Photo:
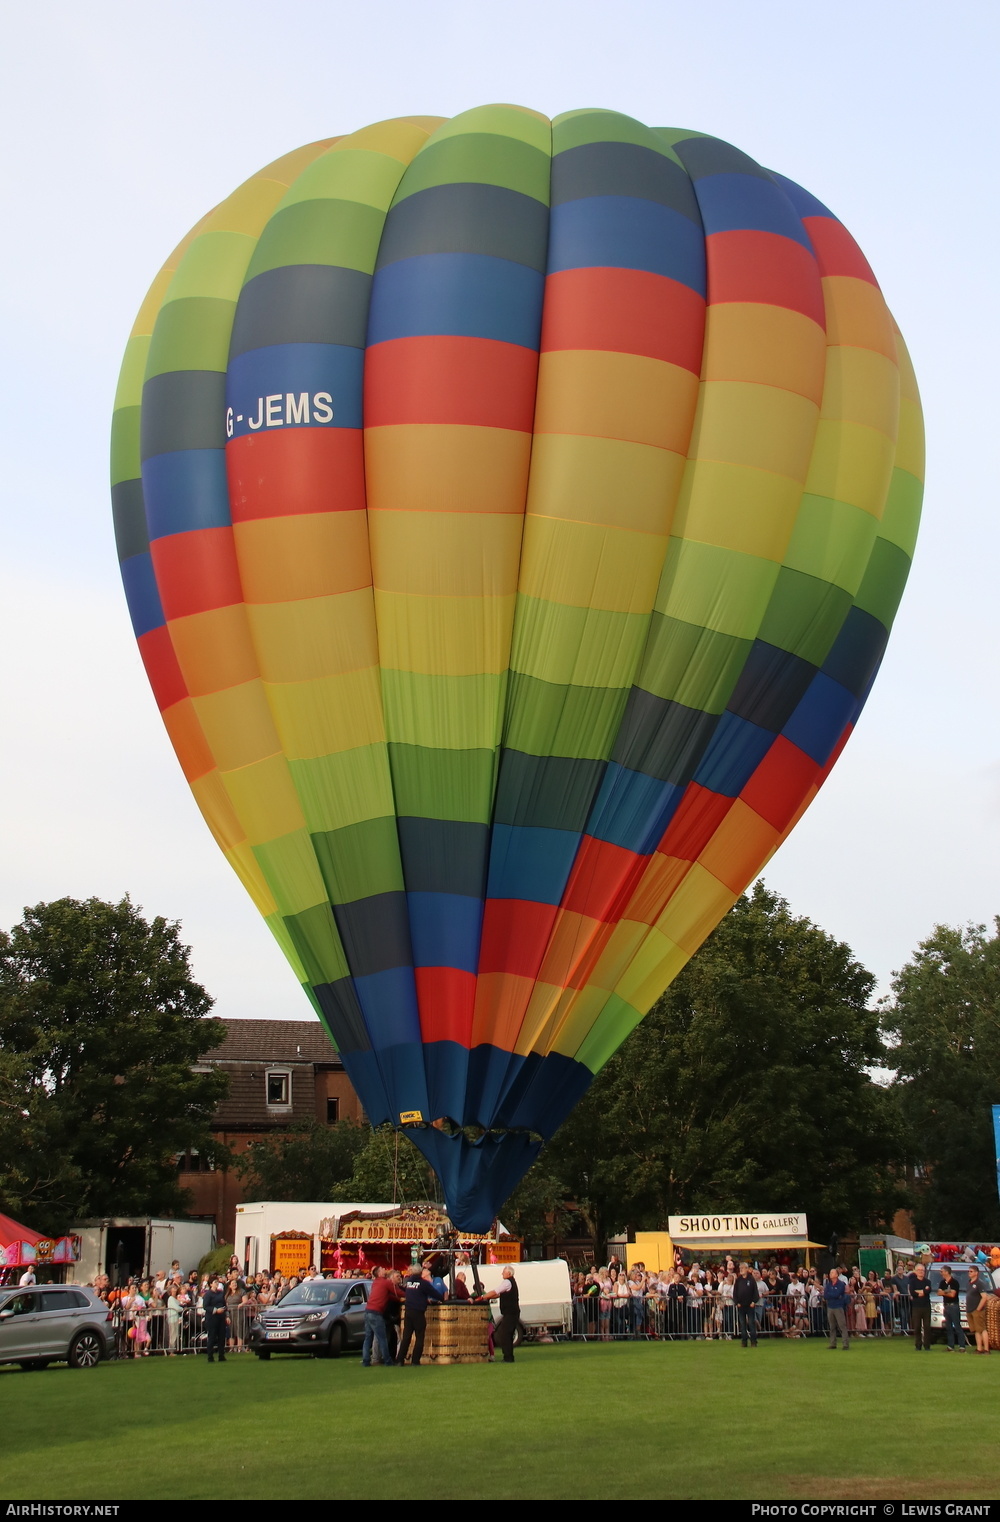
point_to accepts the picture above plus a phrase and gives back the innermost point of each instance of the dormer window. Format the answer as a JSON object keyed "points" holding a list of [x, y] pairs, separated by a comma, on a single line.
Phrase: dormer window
{"points": [[278, 1082]]}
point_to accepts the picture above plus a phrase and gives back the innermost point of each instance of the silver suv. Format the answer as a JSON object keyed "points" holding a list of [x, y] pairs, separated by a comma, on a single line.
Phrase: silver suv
{"points": [[53, 1321]]}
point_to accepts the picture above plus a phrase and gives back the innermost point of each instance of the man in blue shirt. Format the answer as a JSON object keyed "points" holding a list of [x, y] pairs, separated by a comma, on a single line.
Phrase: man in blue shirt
{"points": [[836, 1297]]}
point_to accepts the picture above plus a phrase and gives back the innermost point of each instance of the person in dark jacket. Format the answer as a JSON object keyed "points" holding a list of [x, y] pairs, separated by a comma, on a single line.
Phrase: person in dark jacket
{"points": [[919, 1289], [419, 1291], [745, 1297], [213, 1304], [837, 1297], [952, 1307]]}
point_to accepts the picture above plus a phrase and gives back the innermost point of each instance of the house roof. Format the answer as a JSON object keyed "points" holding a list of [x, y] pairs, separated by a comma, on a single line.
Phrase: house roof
{"points": [[274, 1041]]}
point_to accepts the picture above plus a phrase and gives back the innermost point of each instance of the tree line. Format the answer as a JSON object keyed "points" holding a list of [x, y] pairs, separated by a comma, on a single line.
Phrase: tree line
{"points": [[765, 1076]]}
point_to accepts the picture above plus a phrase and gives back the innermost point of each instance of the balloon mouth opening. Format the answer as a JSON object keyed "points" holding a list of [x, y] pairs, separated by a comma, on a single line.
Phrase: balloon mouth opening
{"points": [[475, 1135]]}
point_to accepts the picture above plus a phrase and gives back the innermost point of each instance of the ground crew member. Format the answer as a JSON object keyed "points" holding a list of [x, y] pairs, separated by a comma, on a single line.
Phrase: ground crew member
{"points": [[510, 1313], [419, 1291], [214, 1306], [919, 1287]]}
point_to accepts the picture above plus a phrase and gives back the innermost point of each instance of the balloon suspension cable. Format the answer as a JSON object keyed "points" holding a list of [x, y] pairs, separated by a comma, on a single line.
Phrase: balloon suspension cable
{"points": [[394, 1160]]}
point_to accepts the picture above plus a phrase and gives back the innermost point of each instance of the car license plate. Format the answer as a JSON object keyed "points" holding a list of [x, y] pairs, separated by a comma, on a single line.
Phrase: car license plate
{"points": [[275, 1336]]}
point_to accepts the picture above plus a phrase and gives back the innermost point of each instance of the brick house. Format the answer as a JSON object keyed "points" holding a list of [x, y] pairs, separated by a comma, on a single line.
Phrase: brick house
{"points": [[281, 1072]]}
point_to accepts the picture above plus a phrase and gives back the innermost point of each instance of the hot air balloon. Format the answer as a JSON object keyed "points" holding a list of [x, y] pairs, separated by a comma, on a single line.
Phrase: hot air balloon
{"points": [[512, 515]]}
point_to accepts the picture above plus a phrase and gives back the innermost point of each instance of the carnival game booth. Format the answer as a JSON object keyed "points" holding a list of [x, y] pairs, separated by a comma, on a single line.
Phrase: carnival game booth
{"points": [[742, 1235], [360, 1239], [22, 1248], [345, 1238]]}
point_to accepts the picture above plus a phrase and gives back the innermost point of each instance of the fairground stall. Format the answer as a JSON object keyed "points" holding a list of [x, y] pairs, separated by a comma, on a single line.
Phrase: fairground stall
{"points": [[751, 1235], [22, 1248], [344, 1238]]}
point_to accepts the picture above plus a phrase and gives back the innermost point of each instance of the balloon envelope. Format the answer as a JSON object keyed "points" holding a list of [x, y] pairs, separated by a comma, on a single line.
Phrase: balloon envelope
{"points": [[512, 515]]}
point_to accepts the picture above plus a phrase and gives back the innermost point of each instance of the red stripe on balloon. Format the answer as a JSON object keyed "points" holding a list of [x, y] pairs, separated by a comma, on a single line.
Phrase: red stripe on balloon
{"points": [[445, 379], [515, 934], [157, 651], [836, 251], [764, 267], [447, 1000], [780, 782], [196, 572], [303, 470], [625, 311], [698, 816], [595, 885]]}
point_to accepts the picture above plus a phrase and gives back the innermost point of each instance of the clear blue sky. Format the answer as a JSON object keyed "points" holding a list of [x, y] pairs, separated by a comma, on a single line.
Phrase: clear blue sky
{"points": [[125, 123]]}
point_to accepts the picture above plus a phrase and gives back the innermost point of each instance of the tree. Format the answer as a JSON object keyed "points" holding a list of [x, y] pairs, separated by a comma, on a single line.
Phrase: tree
{"points": [[746, 1085], [943, 1023], [389, 1167], [304, 1162], [537, 1211], [101, 1025]]}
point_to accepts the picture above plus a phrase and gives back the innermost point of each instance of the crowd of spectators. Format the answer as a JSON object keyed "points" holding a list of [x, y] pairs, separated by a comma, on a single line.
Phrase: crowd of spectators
{"points": [[165, 1314], [696, 1300]]}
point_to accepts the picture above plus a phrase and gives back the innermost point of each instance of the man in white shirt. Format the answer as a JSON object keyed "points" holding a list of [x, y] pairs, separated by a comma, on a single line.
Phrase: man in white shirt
{"points": [[28, 1277]]}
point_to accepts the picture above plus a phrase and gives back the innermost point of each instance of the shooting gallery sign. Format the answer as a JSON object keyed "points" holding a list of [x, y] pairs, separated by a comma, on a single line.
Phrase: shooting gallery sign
{"points": [[739, 1228]]}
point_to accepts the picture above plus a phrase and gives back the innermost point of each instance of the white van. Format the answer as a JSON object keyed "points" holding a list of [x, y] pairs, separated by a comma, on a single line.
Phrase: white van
{"points": [[543, 1290]]}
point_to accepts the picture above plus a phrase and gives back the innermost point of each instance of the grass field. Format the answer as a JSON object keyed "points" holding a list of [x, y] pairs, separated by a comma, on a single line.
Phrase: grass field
{"points": [[656, 1420]]}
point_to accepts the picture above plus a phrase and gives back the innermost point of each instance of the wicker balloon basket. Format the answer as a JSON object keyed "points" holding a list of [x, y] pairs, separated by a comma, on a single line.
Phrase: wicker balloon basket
{"points": [[457, 1333], [993, 1322]]}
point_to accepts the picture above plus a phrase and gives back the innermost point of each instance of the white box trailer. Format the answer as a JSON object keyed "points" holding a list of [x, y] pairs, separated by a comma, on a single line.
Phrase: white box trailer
{"points": [[259, 1220], [543, 1290], [138, 1246]]}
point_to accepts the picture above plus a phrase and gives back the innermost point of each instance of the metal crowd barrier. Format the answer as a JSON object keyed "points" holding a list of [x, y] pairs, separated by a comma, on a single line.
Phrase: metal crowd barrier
{"points": [[155, 1332], [595, 1319], [712, 1316]]}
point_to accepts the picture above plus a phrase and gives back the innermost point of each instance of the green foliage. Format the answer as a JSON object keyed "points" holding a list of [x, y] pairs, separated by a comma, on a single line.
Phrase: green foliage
{"points": [[216, 1261], [100, 1027], [746, 1085], [389, 1167], [537, 1211], [943, 1023], [303, 1162]]}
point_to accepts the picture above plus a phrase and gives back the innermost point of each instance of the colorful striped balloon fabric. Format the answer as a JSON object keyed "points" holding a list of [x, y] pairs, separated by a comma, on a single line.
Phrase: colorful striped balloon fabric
{"points": [[512, 515]]}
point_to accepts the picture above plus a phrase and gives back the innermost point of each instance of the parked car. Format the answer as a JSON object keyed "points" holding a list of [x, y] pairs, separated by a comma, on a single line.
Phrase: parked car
{"points": [[50, 1322], [322, 1317]]}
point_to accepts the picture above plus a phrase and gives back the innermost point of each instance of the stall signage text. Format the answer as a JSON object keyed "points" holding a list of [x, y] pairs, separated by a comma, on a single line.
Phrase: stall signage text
{"points": [[681, 1226]]}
